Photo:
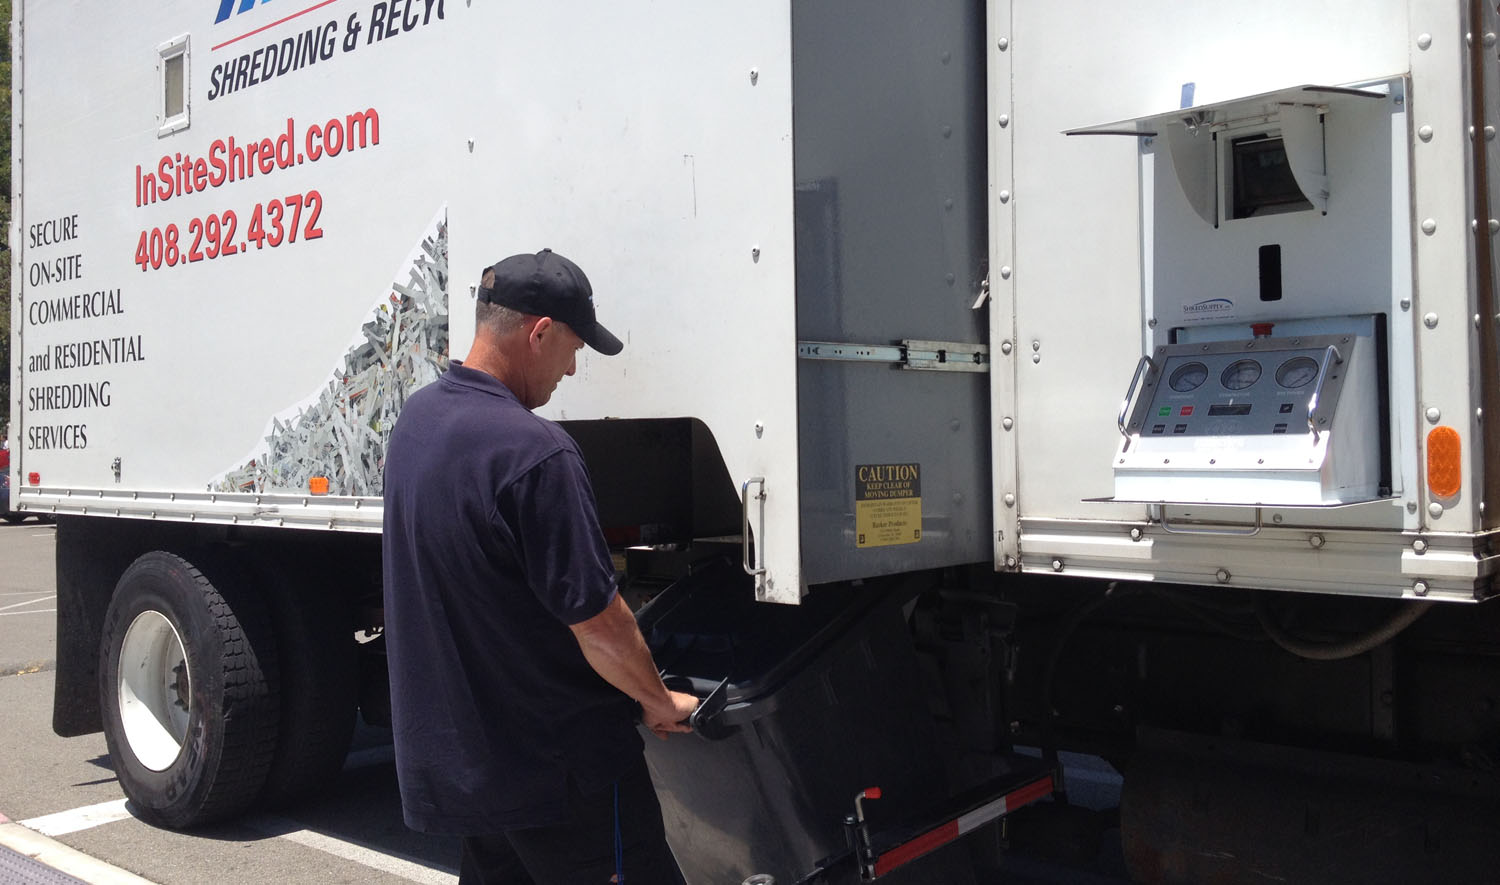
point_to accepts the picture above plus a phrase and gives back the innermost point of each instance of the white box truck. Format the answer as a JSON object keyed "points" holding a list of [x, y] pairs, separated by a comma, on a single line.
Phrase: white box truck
{"points": [[884, 272]]}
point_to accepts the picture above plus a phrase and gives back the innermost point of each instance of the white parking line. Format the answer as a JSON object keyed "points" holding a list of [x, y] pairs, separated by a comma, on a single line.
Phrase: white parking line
{"points": [[73, 820], [394, 864], [412, 870], [28, 602], [90, 816], [40, 611]]}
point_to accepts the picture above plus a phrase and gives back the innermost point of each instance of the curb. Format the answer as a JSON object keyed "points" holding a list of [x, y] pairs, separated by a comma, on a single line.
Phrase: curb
{"points": [[60, 857]]}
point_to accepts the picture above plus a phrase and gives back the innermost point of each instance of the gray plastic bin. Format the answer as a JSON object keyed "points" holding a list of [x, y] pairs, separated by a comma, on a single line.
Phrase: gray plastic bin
{"points": [[823, 701]]}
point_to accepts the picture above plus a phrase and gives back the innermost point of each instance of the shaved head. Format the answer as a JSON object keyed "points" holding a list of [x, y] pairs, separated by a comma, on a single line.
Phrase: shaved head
{"points": [[497, 320]]}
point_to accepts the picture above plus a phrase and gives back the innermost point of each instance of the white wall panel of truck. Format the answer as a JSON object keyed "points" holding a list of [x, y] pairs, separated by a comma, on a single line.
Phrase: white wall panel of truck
{"points": [[432, 161], [883, 272]]}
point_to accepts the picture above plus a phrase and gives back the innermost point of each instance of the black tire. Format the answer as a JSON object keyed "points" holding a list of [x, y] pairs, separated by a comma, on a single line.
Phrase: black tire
{"points": [[319, 668], [222, 653]]}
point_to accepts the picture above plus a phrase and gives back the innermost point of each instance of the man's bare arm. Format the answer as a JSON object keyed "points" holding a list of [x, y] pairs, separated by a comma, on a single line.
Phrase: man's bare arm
{"points": [[614, 647]]}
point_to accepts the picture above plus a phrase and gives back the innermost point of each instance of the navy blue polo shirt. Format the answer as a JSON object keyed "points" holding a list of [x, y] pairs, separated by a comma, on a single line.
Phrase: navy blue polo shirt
{"points": [[492, 548]]}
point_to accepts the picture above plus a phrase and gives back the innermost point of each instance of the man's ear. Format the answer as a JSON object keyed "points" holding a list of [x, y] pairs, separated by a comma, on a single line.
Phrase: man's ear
{"points": [[540, 329]]}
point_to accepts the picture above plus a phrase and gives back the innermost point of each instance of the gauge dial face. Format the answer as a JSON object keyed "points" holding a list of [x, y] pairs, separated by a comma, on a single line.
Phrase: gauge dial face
{"points": [[1188, 377], [1240, 374], [1297, 372]]}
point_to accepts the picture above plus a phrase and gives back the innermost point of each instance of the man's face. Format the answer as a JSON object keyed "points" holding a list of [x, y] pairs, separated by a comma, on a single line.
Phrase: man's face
{"points": [[555, 350]]}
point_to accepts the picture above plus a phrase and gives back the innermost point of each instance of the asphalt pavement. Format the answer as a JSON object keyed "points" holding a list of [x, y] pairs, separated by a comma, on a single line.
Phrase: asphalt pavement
{"points": [[27, 603]]}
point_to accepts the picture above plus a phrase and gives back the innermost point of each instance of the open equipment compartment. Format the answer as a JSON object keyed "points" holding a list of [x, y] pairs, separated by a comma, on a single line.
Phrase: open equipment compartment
{"points": [[1272, 233]]}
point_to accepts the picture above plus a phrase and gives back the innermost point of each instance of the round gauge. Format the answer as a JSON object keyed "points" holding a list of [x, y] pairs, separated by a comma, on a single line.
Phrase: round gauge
{"points": [[1297, 371], [1188, 377], [1240, 374]]}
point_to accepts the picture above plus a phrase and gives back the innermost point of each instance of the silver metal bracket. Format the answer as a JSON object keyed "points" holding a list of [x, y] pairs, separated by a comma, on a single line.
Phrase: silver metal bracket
{"points": [[912, 353]]}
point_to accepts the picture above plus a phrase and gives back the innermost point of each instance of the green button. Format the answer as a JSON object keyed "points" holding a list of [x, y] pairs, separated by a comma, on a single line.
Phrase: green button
{"points": [[1164, 411]]}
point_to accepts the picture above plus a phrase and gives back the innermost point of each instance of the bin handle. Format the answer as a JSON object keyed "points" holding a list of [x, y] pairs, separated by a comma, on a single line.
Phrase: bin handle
{"points": [[704, 719], [757, 568]]}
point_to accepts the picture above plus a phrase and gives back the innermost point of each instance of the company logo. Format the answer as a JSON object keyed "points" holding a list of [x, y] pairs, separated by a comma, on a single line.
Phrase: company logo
{"points": [[228, 8], [1211, 305]]}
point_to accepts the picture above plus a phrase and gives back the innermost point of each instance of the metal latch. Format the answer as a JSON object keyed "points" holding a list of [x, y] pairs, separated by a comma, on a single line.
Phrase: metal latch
{"points": [[911, 353]]}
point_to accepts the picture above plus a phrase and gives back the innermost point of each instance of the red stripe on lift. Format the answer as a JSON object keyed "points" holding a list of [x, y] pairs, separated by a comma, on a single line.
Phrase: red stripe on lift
{"points": [[1029, 794], [937, 838], [928, 841]]}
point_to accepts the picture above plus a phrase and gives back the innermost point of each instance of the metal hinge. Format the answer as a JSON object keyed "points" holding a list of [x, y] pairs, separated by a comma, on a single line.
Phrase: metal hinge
{"points": [[984, 294], [932, 356]]}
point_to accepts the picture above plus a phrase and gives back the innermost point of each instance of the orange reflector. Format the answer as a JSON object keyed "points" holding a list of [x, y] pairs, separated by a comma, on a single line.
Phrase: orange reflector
{"points": [[1444, 475], [34, 478], [318, 485]]}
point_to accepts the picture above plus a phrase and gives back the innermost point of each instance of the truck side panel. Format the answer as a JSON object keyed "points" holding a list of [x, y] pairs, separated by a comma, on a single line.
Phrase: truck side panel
{"points": [[189, 353]]}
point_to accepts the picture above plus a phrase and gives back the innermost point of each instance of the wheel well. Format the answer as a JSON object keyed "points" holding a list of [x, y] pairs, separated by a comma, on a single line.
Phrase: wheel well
{"points": [[93, 552]]}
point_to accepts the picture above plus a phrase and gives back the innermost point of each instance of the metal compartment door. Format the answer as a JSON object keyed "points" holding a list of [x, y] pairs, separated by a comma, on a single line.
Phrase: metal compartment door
{"points": [[891, 258]]}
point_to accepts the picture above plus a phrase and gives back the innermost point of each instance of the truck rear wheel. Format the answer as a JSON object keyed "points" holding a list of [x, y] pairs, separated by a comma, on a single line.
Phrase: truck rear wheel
{"points": [[187, 689], [319, 685]]}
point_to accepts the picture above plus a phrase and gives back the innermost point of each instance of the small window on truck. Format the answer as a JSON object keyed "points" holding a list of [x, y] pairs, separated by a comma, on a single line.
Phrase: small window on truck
{"points": [[172, 68], [1263, 183]]}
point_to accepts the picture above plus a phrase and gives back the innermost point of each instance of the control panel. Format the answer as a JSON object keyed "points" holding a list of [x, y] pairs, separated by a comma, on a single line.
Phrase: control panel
{"points": [[1235, 389], [1276, 421]]}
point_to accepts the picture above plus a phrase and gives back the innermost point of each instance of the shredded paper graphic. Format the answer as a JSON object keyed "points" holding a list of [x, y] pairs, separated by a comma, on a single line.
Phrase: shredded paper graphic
{"points": [[340, 433]]}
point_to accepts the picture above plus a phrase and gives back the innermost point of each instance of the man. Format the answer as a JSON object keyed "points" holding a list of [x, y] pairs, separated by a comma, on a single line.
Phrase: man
{"points": [[513, 660]]}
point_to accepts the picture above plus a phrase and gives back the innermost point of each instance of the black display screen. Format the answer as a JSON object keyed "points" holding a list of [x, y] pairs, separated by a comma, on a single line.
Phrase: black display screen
{"points": [[1219, 409], [1263, 181]]}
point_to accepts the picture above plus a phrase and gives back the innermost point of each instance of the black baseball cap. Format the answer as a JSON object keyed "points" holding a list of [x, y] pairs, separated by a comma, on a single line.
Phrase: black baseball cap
{"points": [[549, 285]]}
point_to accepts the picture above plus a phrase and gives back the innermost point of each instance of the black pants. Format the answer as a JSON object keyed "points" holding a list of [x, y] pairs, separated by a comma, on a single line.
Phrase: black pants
{"points": [[581, 851]]}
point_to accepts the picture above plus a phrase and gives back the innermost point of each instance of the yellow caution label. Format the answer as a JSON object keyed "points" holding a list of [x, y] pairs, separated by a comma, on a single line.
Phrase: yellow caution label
{"points": [[887, 504]]}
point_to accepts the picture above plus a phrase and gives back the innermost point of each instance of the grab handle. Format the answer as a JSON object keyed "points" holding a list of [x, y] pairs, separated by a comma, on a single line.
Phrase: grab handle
{"points": [[1140, 369], [1225, 532], [757, 568], [1331, 357]]}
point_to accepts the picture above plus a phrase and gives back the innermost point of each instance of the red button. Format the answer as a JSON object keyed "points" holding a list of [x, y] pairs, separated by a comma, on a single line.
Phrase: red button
{"points": [[1186, 411]]}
